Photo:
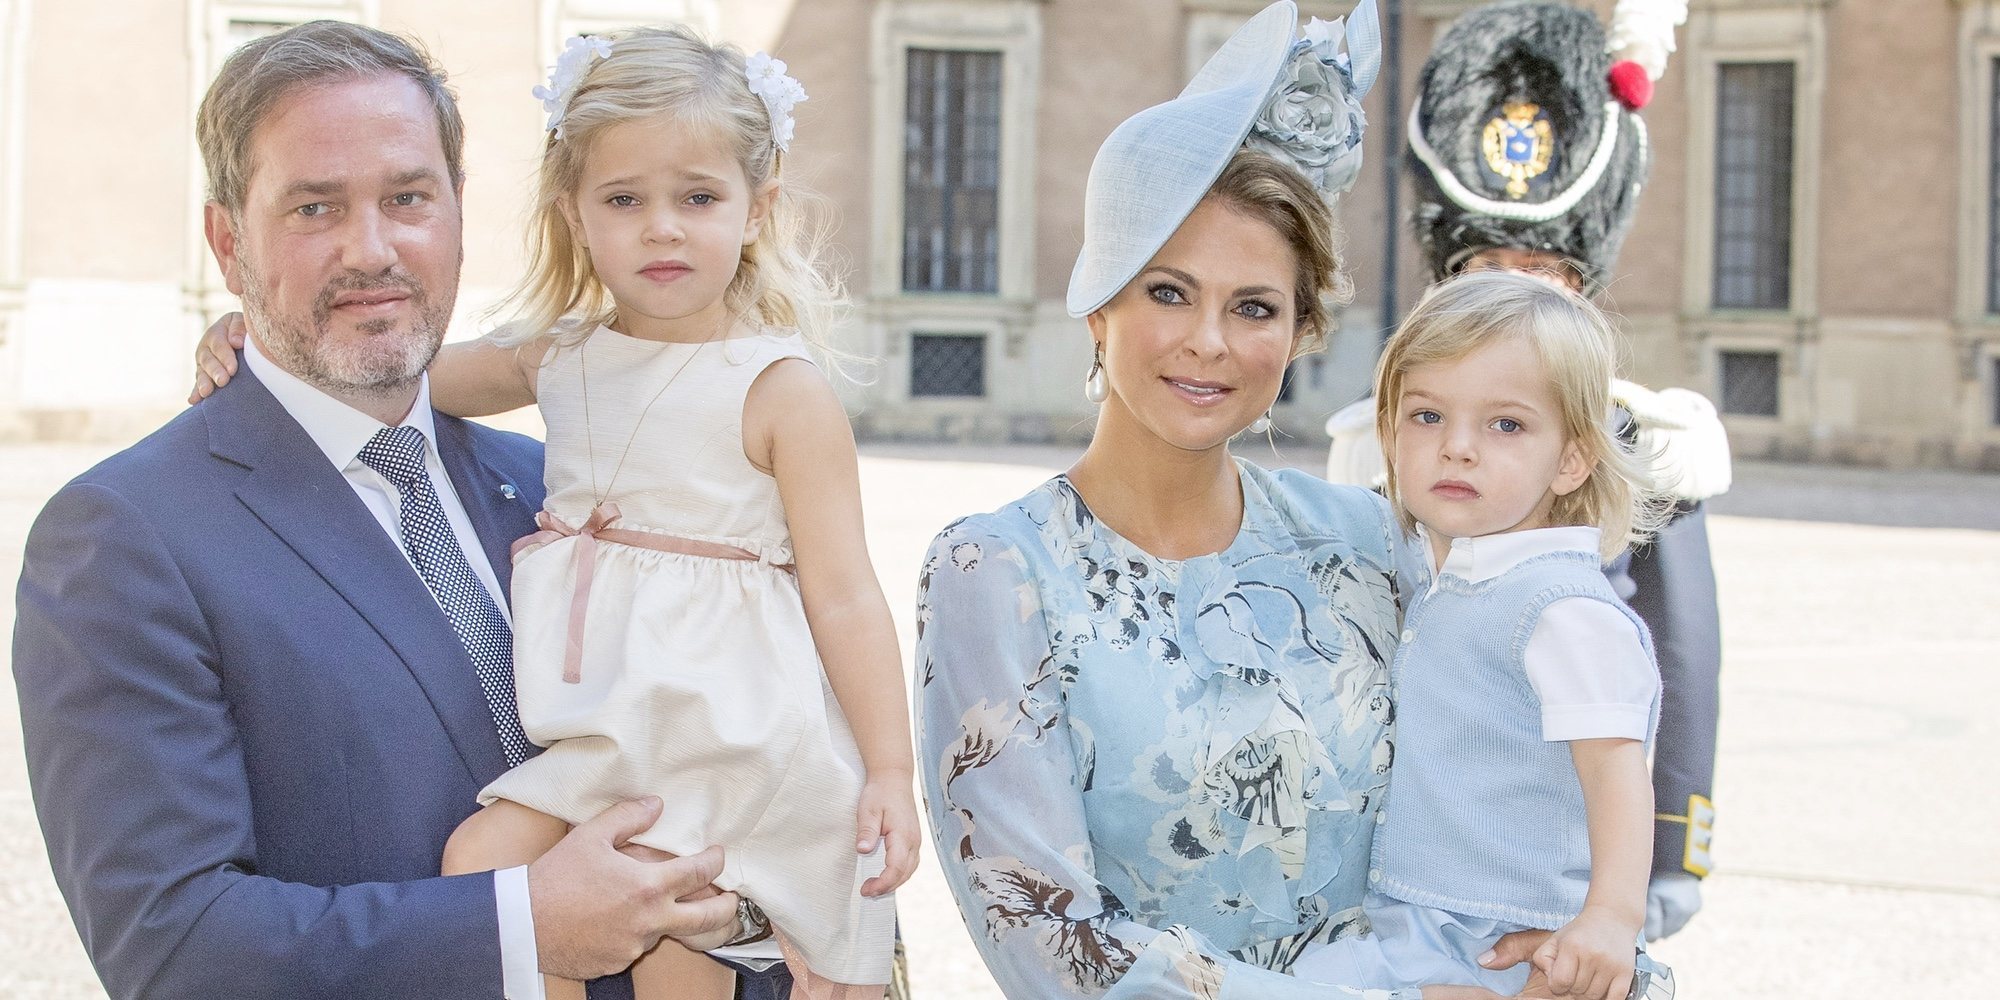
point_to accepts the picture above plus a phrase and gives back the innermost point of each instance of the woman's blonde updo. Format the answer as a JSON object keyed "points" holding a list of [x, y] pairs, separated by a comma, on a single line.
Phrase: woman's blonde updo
{"points": [[1277, 194]]}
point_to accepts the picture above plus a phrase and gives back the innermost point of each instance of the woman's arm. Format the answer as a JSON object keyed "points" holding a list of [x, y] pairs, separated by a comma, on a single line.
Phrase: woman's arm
{"points": [[795, 429], [1004, 792]]}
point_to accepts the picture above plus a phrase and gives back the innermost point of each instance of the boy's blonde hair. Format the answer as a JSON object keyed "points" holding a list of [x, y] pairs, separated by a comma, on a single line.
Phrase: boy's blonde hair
{"points": [[1576, 345], [671, 72]]}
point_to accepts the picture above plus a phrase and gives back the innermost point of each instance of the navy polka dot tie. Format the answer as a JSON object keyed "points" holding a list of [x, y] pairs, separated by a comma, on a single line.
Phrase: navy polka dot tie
{"points": [[397, 453]]}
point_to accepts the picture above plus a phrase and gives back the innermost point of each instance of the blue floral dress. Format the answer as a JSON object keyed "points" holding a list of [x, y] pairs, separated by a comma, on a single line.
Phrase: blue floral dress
{"points": [[1157, 778]]}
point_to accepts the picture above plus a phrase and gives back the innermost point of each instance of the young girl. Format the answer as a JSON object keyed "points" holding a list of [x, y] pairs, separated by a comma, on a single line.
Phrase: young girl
{"points": [[1526, 692], [699, 619]]}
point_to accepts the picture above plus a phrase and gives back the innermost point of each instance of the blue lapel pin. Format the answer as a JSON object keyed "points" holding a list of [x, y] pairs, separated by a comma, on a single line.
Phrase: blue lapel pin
{"points": [[508, 491]]}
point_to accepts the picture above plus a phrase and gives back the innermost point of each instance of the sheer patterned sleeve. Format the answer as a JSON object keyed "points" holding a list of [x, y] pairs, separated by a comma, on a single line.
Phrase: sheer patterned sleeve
{"points": [[1003, 784]]}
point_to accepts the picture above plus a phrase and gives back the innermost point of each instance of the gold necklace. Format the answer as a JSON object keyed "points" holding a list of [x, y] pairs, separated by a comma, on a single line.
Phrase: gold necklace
{"points": [[589, 441]]}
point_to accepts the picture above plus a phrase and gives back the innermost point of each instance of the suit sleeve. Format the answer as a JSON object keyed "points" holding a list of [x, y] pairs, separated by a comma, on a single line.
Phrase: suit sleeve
{"points": [[138, 778], [1674, 593]]}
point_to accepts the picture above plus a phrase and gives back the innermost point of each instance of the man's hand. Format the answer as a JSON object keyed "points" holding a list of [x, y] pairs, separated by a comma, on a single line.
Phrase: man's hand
{"points": [[1590, 957], [708, 941], [215, 355], [597, 910]]}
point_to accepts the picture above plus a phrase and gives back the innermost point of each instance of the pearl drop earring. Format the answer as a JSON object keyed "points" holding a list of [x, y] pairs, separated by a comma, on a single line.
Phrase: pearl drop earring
{"points": [[1261, 424], [1095, 388]]}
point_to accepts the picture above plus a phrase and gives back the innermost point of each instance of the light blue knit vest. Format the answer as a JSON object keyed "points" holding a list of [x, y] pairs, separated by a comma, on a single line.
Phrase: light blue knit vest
{"points": [[1482, 817]]}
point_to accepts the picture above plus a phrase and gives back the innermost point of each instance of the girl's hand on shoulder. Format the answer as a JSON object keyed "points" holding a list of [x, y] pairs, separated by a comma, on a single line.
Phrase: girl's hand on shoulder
{"points": [[888, 816], [215, 355], [1590, 957]]}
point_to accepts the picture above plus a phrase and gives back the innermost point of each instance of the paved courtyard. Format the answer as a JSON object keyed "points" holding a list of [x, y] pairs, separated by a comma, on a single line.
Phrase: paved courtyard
{"points": [[1858, 856]]}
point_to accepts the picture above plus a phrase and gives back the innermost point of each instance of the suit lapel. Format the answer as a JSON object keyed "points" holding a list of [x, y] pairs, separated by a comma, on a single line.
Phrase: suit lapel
{"points": [[308, 504], [497, 505]]}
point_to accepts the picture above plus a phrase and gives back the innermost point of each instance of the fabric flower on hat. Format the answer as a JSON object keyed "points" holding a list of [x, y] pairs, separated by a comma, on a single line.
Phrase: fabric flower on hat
{"points": [[780, 93], [568, 75], [1314, 117]]}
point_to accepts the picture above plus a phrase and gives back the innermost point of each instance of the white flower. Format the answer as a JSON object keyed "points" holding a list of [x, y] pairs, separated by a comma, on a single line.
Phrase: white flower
{"points": [[567, 75], [763, 69], [779, 92]]}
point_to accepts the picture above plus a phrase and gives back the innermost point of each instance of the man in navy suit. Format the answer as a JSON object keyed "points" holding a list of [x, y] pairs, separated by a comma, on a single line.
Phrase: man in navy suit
{"points": [[263, 668]]}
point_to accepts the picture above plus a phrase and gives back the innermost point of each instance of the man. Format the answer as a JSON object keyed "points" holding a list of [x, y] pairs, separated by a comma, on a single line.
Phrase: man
{"points": [[263, 655], [1527, 153]]}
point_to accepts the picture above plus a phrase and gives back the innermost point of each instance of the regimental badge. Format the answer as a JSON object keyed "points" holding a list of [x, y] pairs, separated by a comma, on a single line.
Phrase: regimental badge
{"points": [[1519, 144]]}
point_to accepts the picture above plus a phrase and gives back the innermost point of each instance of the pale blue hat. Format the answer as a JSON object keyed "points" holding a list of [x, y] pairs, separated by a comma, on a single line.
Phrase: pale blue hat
{"points": [[1296, 97]]}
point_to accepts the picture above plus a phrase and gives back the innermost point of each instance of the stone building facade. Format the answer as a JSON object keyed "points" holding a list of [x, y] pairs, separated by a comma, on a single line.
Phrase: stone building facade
{"points": [[1817, 248]]}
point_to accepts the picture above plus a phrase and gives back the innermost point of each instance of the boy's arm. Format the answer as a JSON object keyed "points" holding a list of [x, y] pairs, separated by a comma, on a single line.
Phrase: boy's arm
{"points": [[1592, 956], [1618, 795], [1597, 686]]}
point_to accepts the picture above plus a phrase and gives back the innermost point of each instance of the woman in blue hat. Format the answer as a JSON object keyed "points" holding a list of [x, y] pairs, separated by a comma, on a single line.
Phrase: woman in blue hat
{"points": [[1154, 700]]}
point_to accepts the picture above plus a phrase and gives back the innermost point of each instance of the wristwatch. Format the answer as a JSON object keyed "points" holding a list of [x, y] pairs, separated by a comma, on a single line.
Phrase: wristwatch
{"points": [[1651, 980], [752, 926]]}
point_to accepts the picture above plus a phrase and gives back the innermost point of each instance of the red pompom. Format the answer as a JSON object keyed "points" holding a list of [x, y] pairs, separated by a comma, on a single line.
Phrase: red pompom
{"points": [[1631, 85]]}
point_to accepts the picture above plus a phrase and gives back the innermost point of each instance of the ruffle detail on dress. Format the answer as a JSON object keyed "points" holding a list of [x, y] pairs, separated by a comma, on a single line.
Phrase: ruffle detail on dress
{"points": [[1247, 626], [1265, 768]]}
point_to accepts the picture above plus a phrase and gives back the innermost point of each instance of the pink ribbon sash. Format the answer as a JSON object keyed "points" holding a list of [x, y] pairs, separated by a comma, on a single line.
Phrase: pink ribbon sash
{"points": [[593, 530]]}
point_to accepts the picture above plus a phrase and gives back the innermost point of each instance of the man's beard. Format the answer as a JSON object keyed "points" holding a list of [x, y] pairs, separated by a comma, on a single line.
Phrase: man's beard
{"points": [[300, 345]]}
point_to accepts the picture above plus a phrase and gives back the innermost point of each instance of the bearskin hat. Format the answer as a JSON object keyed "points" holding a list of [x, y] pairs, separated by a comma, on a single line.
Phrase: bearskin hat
{"points": [[1518, 141]]}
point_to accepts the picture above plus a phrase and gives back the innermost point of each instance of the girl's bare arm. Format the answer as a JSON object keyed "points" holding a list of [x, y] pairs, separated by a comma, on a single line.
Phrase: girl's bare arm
{"points": [[795, 429], [470, 379]]}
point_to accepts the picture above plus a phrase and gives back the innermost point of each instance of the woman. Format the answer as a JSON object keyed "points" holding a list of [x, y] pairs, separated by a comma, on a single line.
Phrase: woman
{"points": [[1154, 704]]}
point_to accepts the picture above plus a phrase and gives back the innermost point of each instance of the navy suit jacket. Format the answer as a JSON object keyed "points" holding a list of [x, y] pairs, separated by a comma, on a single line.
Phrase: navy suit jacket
{"points": [[249, 727]]}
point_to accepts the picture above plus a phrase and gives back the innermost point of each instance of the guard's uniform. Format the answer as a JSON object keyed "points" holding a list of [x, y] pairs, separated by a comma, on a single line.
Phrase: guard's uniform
{"points": [[1526, 136]]}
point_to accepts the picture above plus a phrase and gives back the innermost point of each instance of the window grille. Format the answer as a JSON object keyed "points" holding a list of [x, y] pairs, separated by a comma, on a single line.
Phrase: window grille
{"points": [[1996, 391], [951, 172], [1753, 186], [947, 365], [1993, 196], [1750, 383]]}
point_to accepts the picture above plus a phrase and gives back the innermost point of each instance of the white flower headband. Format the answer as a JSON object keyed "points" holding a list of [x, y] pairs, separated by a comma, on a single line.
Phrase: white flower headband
{"points": [[765, 75], [780, 93], [570, 66]]}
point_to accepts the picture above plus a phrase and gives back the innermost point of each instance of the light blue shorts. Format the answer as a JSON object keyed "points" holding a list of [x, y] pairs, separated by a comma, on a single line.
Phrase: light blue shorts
{"points": [[1410, 946]]}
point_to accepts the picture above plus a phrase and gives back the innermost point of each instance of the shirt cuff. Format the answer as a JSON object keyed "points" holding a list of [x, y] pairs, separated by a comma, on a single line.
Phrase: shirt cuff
{"points": [[520, 964], [1562, 723]]}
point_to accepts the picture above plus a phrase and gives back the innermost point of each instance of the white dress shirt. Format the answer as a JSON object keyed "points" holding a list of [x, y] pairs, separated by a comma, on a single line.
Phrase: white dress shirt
{"points": [[1585, 660], [341, 431]]}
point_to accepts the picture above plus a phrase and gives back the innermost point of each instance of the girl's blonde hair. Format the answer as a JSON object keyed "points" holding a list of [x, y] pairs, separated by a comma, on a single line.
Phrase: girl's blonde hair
{"points": [[671, 72], [1575, 343]]}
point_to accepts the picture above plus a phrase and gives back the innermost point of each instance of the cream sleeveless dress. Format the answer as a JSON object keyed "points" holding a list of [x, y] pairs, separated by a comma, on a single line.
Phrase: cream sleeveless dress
{"points": [[695, 676]]}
